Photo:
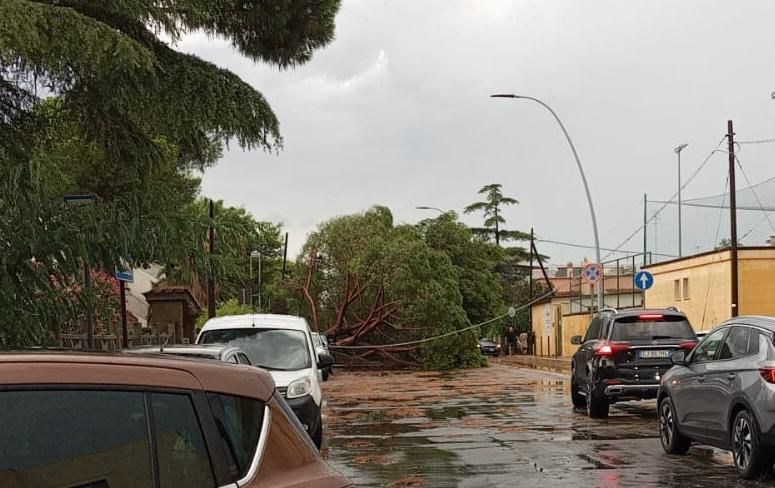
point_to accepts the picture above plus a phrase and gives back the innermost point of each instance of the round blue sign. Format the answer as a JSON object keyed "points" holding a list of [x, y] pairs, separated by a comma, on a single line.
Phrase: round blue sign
{"points": [[644, 280]]}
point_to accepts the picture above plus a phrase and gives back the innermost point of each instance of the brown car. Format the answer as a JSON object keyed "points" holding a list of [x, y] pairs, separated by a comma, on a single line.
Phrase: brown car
{"points": [[73, 420]]}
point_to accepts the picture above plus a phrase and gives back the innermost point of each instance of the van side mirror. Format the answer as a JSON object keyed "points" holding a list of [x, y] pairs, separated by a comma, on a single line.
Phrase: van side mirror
{"points": [[678, 358], [325, 360], [576, 340]]}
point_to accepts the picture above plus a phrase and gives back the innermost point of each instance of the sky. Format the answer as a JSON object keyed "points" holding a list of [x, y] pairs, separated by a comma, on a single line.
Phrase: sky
{"points": [[396, 112]]}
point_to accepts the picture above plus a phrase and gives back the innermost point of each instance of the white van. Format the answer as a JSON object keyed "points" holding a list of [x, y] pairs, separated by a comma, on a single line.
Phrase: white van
{"points": [[281, 344]]}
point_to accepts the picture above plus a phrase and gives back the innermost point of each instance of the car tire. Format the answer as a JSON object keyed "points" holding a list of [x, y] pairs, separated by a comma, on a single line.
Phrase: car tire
{"points": [[751, 458], [317, 436], [577, 398], [673, 442], [597, 406]]}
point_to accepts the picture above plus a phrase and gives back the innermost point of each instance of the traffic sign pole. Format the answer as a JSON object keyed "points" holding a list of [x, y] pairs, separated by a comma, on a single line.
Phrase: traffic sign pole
{"points": [[122, 298]]}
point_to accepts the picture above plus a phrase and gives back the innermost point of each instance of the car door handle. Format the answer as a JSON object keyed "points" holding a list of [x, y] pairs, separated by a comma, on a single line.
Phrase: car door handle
{"points": [[731, 376], [701, 379]]}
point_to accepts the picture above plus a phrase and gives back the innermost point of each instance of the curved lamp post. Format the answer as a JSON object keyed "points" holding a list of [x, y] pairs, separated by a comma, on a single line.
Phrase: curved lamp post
{"points": [[583, 179]]}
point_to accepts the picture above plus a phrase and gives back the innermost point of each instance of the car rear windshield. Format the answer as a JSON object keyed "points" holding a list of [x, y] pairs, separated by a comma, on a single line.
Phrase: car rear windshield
{"points": [[651, 327], [272, 349]]}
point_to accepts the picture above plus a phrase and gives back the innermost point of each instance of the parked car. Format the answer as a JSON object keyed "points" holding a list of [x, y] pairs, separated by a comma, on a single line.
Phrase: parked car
{"points": [[216, 352], [624, 355], [120, 420], [489, 347], [701, 334], [321, 346], [283, 345], [722, 394]]}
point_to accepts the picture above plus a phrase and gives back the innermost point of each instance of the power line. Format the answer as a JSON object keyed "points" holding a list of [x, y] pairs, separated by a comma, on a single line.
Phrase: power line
{"points": [[675, 195], [583, 246], [708, 205], [454, 332], [756, 195], [759, 141]]}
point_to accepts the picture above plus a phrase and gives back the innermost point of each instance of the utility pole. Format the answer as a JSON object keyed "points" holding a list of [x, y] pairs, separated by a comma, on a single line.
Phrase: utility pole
{"points": [[645, 228], [285, 254], [530, 270], [210, 278], [733, 218]]}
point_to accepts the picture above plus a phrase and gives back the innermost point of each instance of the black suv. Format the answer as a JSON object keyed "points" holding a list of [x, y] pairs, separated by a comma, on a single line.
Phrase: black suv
{"points": [[623, 356]]}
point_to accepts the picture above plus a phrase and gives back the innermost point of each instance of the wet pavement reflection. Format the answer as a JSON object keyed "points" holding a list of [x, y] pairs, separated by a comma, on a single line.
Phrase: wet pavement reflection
{"points": [[499, 426]]}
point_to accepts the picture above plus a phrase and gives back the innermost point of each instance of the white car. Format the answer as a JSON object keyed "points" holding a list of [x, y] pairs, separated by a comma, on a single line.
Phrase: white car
{"points": [[283, 345]]}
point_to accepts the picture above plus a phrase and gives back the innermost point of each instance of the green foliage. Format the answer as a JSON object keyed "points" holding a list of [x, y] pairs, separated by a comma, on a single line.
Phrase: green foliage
{"points": [[395, 269], [93, 100], [476, 262], [232, 306]]}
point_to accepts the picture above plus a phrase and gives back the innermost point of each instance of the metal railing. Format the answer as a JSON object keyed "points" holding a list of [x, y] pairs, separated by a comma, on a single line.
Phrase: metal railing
{"points": [[107, 342]]}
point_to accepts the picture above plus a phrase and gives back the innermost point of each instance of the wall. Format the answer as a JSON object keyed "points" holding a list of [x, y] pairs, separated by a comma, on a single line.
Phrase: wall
{"points": [[572, 325], [166, 317], [709, 299], [548, 343], [757, 282]]}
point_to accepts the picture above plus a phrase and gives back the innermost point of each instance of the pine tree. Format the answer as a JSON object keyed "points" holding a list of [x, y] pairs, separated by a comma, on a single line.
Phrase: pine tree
{"points": [[95, 98], [493, 216]]}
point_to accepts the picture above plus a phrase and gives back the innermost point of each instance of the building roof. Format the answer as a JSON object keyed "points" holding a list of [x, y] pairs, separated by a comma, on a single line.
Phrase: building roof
{"points": [[91, 368], [256, 320], [174, 293], [708, 253]]}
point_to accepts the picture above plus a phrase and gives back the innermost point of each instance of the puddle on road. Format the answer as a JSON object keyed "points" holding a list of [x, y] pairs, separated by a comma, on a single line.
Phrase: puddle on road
{"points": [[499, 426]]}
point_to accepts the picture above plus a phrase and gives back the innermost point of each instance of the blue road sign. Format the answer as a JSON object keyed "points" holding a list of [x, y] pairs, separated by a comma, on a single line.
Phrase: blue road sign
{"points": [[124, 272], [644, 280]]}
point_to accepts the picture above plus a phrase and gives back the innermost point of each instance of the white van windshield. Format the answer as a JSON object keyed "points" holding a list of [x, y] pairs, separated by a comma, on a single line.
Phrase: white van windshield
{"points": [[272, 349]]}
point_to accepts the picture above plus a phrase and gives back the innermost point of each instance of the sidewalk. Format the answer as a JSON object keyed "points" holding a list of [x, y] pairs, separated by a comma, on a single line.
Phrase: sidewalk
{"points": [[537, 362]]}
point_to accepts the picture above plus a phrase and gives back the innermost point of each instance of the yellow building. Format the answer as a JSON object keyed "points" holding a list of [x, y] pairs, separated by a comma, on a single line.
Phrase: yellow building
{"points": [[700, 285]]}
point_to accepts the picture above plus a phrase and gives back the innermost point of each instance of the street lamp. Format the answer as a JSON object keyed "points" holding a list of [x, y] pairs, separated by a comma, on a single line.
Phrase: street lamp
{"points": [[442, 212], [583, 179], [678, 152], [255, 254]]}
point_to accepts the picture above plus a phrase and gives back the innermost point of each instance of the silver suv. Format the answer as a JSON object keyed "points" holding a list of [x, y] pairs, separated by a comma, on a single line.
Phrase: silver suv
{"points": [[723, 394]]}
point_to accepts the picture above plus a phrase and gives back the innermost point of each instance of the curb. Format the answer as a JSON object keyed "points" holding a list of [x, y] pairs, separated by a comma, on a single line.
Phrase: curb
{"points": [[553, 364]]}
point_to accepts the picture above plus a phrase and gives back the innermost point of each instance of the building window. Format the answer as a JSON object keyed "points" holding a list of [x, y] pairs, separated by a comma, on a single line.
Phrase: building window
{"points": [[677, 290], [686, 289]]}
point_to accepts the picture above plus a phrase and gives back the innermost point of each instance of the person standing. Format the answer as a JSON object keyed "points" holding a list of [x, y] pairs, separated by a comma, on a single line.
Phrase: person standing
{"points": [[511, 340]]}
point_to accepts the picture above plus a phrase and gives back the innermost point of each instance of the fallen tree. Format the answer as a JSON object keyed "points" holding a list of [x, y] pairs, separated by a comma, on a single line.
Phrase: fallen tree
{"points": [[367, 284]]}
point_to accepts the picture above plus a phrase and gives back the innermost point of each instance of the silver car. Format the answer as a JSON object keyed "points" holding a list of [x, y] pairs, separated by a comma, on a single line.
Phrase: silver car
{"points": [[723, 394]]}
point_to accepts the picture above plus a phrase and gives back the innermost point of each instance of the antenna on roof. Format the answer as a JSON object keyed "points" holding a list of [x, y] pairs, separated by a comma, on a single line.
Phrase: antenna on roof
{"points": [[253, 318]]}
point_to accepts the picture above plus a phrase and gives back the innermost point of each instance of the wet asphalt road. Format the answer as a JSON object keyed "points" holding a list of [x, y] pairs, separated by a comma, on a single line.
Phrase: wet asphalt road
{"points": [[499, 426]]}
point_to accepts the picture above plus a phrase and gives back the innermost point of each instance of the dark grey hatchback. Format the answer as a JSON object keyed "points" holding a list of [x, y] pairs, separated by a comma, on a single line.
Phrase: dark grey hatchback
{"points": [[723, 394]]}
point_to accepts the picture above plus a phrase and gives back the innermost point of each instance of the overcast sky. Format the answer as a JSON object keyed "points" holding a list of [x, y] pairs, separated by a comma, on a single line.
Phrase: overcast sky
{"points": [[396, 111]]}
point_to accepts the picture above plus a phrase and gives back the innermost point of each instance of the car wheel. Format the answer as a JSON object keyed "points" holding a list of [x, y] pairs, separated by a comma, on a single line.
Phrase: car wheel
{"points": [[751, 458], [577, 398], [317, 436], [672, 440], [597, 406]]}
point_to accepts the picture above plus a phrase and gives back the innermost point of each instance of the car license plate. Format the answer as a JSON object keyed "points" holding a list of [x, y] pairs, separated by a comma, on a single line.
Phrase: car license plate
{"points": [[654, 353]]}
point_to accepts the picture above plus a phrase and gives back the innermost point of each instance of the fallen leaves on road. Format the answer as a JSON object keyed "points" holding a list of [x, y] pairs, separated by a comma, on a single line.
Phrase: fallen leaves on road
{"points": [[409, 481], [383, 459]]}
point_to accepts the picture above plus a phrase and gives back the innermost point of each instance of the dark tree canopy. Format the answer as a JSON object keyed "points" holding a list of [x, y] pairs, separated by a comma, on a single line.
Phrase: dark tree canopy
{"points": [[95, 98]]}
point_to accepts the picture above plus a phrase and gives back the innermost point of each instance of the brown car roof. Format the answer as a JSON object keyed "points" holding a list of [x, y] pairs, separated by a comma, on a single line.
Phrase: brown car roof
{"points": [[78, 368]]}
